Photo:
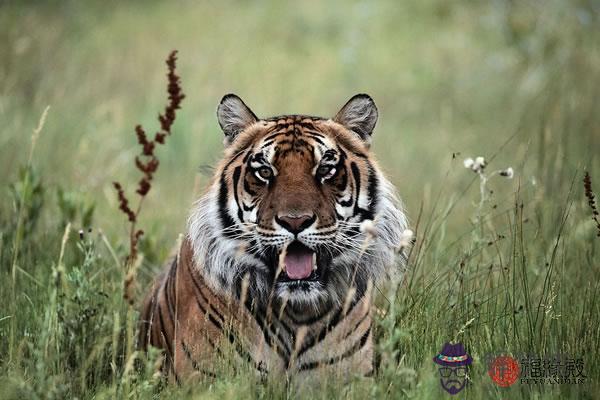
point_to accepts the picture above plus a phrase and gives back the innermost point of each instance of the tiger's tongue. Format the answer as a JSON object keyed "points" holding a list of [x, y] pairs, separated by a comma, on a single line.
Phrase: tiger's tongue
{"points": [[298, 263]]}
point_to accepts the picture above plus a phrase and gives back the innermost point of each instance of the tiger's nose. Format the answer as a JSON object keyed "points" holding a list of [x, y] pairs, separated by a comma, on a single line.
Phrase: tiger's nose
{"points": [[295, 223]]}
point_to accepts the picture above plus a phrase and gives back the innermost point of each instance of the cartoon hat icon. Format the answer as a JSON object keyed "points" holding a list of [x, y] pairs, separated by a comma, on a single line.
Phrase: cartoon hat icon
{"points": [[453, 355]]}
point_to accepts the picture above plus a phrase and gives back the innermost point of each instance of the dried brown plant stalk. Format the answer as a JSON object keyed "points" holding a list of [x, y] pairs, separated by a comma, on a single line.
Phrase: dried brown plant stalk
{"points": [[587, 186], [147, 163]]}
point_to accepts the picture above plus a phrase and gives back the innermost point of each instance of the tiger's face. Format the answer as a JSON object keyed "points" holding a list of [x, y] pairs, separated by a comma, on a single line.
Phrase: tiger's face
{"points": [[298, 212]]}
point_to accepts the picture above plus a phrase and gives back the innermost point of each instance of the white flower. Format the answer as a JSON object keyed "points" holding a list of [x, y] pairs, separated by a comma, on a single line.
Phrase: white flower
{"points": [[479, 163], [508, 173], [476, 165]]}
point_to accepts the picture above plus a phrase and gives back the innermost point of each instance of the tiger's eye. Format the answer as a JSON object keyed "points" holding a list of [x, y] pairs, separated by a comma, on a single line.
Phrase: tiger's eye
{"points": [[265, 172], [323, 170]]}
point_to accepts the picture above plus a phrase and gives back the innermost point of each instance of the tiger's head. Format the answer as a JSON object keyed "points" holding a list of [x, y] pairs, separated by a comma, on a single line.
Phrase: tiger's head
{"points": [[298, 212]]}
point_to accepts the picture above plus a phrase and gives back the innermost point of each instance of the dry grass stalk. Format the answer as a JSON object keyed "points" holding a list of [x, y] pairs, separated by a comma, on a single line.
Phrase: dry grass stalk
{"points": [[20, 220]]}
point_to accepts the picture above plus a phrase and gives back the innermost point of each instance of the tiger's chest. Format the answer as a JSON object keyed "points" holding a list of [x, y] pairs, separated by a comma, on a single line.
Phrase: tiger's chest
{"points": [[213, 334], [204, 333]]}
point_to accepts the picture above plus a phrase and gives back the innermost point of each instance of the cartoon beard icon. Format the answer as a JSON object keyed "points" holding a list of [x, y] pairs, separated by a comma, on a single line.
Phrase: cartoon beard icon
{"points": [[453, 379], [453, 362]]}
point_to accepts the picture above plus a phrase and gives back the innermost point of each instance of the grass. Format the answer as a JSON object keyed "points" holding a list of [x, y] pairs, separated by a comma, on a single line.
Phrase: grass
{"points": [[516, 82]]}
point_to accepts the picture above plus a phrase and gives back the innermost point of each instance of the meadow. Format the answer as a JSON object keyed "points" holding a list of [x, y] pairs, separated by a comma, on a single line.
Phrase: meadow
{"points": [[499, 264]]}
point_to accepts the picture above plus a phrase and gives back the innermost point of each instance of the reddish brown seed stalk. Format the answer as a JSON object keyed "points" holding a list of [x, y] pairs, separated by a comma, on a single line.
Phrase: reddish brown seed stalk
{"points": [[147, 163], [587, 186]]}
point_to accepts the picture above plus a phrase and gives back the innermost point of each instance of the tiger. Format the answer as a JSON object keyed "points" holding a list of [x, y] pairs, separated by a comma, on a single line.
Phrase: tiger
{"points": [[283, 252]]}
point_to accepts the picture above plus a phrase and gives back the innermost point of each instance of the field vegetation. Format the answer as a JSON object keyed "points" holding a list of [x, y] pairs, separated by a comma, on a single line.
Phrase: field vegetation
{"points": [[499, 264]]}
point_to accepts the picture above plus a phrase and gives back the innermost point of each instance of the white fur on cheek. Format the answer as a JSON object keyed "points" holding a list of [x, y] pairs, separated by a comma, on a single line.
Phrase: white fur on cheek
{"points": [[217, 256]]}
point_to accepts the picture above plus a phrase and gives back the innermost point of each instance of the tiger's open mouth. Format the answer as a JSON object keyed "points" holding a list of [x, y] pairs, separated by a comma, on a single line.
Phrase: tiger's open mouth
{"points": [[299, 264]]}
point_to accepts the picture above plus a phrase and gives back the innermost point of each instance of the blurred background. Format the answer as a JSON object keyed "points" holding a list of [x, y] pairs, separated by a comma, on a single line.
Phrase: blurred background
{"points": [[519, 80]]}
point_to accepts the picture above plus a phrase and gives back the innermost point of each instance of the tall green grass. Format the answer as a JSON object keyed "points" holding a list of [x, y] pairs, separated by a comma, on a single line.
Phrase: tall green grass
{"points": [[516, 82]]}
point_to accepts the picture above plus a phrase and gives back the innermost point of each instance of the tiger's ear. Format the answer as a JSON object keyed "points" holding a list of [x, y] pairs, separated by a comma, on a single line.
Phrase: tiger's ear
{"points": [[359, 115], [234, 116]]}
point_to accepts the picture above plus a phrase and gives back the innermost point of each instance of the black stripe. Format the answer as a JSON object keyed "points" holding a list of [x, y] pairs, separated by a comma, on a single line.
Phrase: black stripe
{"points": [[352, 231], [314, 133], [365, 214], [214, 346], [280, 347], [328, 233], [168, 289], [314, 340], [218, 324], [346, 203], [358, 154], [295, 117], [356, 174], [168, 362], [308, 124], [241, 351], [170, 355], [330, 326], [236, 180], [194, 363], [341, 167], [248, 189], [211, 318], [231, 337], [248, 208], [247, 155], [235, 157], [372, 188], [154, 339], [301, 143], [356, 347], [226, 220], [204, 297], [360, 321], [343, 177], [273, 136], [316, 139], [148, 320], [309, 321]]}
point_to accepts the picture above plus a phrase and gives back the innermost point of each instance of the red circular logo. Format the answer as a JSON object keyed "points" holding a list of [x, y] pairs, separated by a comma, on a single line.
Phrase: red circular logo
{"points": [[504, 370]]}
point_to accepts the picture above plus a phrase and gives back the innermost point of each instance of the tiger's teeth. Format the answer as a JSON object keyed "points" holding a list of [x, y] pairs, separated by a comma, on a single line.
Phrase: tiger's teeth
{"points": [[314, 261]]}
